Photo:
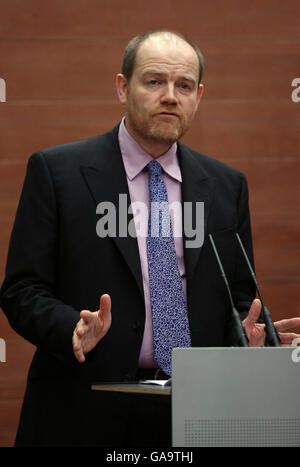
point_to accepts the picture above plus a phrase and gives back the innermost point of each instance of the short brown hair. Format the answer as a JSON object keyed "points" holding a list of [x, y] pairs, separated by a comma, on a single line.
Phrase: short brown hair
{"points": [[135, 43]]}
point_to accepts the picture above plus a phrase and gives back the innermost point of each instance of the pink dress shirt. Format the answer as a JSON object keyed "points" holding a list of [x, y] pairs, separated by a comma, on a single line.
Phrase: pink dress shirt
{"points": [[135, 159]]}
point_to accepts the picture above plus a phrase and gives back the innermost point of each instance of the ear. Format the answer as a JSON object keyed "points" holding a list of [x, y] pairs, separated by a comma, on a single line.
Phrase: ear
{"points": [[199, 95], [122, 88], [200, 92]]}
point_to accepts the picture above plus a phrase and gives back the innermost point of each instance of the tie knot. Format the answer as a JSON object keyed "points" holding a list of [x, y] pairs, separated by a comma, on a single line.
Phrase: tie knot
{"points": [[154, 168]]}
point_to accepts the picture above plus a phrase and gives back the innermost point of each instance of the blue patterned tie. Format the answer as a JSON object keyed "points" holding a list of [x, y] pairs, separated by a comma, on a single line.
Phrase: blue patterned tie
{"points": [[169, 313]]}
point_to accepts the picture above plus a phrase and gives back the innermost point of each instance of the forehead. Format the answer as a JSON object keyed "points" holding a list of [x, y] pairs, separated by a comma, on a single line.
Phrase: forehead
{"points": [[167, 53]]}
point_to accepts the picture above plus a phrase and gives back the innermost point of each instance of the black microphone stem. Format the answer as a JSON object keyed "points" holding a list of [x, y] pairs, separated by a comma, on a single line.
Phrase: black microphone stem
{"points": [[271, 331], [242, 336]]}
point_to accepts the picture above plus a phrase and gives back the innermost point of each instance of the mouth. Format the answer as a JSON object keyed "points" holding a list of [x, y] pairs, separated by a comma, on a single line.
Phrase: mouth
{"points": [[168, 114]]}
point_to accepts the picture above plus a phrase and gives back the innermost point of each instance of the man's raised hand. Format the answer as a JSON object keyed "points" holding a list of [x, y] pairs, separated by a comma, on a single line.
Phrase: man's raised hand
{"points": [[91, 328], [256, 331]]}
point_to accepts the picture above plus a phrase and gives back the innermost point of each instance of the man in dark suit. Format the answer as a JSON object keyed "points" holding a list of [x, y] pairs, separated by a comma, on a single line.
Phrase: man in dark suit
{"points": [[83, 300]]}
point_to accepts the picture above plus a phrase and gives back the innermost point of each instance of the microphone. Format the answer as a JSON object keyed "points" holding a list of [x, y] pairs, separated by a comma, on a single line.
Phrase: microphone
{"points": [[239, 328], [273, 338]]}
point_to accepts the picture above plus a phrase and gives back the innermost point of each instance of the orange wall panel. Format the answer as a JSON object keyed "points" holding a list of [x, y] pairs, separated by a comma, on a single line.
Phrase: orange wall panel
{"points": [[59, 60]]}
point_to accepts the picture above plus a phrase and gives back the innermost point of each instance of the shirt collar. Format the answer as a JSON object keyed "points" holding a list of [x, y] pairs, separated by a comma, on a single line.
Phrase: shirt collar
{"points": [[135, 158]]}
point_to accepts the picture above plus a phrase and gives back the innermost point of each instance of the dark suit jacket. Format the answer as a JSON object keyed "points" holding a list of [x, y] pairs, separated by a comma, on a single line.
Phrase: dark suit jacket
{"points": [[57, 266]]}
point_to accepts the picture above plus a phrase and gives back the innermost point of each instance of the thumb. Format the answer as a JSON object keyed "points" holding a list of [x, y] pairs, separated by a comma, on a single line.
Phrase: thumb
{"points": [[105, 302], [254, 313], [105, 306]]}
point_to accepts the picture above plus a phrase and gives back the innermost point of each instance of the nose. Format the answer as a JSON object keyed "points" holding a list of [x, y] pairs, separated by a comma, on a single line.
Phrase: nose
{"points": [[169, 95]]}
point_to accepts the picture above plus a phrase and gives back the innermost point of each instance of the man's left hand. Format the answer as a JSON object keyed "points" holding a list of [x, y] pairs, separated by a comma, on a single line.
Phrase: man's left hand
{"points": [[256, 331]]}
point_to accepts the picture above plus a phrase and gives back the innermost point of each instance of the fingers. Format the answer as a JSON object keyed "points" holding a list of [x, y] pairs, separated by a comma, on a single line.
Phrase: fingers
{"points": [[86, 317], [288, 338], [286, 324], [253, 314], [79, 331], [77, 347]]}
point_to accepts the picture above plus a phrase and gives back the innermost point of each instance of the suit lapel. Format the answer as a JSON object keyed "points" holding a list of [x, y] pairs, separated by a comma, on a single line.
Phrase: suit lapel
{"points": [[197, 186], [106, 179]]}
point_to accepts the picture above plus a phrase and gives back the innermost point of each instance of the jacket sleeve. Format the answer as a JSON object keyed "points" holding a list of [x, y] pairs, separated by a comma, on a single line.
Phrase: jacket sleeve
{"points": [[243, 287], [27, 295]]}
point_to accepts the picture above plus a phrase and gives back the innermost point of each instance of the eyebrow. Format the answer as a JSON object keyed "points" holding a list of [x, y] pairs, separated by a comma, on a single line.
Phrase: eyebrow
{"points": [[160, 73]]}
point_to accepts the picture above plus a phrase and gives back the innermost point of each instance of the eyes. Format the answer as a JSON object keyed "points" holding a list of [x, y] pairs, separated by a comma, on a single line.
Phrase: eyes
{"points": [[182, 85]]}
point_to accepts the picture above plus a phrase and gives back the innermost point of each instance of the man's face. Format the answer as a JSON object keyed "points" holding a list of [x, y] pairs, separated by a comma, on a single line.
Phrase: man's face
{"points": [[163, 93]]}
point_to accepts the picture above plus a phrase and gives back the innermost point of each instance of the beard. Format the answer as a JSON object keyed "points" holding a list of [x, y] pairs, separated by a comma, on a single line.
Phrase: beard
{"points": [[153, 128]]}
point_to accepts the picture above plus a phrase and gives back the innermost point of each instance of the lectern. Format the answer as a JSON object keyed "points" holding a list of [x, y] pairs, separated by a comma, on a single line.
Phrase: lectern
{"points": [[228, 397], [220, 397]]}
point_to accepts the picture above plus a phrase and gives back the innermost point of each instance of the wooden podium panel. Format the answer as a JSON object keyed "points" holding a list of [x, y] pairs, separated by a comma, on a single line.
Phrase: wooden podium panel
{"points": [[137, 388]]}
